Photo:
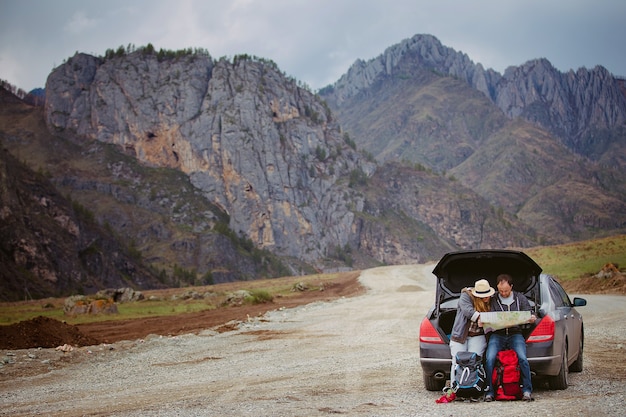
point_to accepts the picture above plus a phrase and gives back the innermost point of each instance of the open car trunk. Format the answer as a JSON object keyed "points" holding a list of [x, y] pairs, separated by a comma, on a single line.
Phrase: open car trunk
{"points": [[458, 270]]}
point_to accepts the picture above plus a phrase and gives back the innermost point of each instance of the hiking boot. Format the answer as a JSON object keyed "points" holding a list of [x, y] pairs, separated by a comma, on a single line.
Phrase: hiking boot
{"points": [[527, 397], [488, 398]]}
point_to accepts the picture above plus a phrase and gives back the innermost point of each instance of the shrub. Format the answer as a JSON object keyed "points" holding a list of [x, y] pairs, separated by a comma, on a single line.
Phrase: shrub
{"points": [[259, 297], [357, 178]]}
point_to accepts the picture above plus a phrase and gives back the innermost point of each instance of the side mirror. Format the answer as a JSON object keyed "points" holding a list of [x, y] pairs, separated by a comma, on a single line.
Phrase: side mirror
{"points": [[579, 302]]}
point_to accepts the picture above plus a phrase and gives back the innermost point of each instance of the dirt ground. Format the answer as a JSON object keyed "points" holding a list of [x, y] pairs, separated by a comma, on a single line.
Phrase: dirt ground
{"points": [[49, 333]]}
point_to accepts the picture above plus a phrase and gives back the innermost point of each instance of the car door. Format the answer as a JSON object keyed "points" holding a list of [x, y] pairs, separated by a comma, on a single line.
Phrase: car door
{"points": [[569, 318]]}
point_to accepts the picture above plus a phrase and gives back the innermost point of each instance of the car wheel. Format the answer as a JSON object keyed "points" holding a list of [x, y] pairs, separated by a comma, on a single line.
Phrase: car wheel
{"points": [[577, 366], [560, 381], [433, 384]]}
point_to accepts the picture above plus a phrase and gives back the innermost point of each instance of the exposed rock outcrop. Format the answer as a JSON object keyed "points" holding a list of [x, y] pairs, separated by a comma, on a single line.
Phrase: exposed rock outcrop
{"points": [[252, 160], [261, 148], [576, 106]]}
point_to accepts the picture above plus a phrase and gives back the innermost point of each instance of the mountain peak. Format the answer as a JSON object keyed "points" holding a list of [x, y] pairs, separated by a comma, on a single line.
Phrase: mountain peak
{"points": [[422, 51]]}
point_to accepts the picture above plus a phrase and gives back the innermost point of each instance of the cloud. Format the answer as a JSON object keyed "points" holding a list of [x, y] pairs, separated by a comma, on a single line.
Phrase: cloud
{"points": [[79, 23], [313, 41]]}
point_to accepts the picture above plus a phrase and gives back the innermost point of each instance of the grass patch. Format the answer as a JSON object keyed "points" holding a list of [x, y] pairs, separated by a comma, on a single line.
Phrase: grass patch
{"points": [[567, 262], [168, 302], [259, 297], [19, 311], [575, 260], [14, 312]]}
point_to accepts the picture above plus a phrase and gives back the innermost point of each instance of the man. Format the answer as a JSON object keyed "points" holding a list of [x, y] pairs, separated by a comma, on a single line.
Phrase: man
{"points": [[511, 338]]}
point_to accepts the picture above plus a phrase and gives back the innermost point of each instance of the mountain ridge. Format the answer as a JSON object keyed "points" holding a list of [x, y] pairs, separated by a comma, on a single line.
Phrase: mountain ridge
{"points": [[421, 101], [574, 106]]}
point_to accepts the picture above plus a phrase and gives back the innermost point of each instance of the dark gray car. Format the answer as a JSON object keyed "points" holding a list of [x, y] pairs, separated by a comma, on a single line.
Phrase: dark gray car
{"points": [[554, 343]]}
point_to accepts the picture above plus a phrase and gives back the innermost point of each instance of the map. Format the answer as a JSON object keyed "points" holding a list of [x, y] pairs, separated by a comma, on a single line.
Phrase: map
{"points": [[496, 320]]}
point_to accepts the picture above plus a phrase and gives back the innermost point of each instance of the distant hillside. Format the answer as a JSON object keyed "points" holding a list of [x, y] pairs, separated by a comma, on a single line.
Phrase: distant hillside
{"points": [[52, 246], [505, 137]]}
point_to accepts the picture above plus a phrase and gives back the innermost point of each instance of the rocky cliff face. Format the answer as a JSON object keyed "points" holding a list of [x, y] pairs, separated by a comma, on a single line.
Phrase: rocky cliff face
{"points": [[412, 215], [268, 159], [272, 157], [261, 148], [574, 106]]}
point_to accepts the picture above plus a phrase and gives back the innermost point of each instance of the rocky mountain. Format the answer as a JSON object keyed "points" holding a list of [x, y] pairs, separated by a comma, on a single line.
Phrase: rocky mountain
{"points": [[584, 109], [219, 170], [412, 214], [263, 150], [544, 146]]}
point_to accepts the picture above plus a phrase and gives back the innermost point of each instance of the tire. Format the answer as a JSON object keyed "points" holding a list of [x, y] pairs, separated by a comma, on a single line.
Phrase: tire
{"points": [[559, 381], [433, 384], [577, 366]]}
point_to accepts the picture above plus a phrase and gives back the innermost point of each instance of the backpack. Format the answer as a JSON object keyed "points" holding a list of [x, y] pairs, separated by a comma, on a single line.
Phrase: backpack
{"points": [[470, 376], [506, 376]]}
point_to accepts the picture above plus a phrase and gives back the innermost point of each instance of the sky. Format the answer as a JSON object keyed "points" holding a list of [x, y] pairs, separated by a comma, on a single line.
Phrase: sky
{"points": [[313, 41]]}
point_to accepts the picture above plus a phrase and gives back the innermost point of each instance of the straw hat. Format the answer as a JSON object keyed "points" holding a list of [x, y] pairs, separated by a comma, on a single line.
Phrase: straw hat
{"points": [[482, 289]]}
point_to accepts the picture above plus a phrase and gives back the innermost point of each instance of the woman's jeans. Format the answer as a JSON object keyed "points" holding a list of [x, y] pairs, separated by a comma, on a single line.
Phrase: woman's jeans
{"points": [[498, 342], [472, 344]]}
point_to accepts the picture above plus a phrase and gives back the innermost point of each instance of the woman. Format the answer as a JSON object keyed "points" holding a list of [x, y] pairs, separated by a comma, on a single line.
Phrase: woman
{"points": [[467, 332]]}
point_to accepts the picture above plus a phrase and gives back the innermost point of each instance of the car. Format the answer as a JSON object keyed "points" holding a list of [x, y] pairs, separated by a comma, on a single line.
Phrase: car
{"points": [[554, 343]]}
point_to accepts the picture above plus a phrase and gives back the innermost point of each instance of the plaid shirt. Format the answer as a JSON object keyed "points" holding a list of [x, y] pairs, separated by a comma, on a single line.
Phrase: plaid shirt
{"points": [[474, 329]]}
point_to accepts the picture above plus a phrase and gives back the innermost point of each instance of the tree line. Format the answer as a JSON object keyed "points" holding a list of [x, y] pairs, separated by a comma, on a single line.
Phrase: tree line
{"points": [[149, 49], [34, 98]]}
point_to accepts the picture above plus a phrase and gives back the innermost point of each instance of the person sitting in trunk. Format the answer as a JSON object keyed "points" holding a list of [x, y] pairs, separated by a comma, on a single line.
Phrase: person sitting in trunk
{"points": [[509, 338], [467, 332]]}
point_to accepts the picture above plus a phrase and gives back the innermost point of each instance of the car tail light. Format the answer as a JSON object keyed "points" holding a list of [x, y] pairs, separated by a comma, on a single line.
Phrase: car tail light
{"points": [[428, 334], [544, 332]]}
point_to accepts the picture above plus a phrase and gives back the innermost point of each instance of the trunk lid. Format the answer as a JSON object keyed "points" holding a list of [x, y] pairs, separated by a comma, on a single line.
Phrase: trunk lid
{"points": [[458, 270]]}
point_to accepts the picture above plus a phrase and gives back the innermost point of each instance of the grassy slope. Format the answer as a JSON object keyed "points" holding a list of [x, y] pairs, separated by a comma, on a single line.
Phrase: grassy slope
{"points": [[580, 259], [167, 302]]}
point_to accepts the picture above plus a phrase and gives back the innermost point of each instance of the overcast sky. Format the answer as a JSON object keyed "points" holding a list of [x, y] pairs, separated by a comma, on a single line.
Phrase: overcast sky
{"points": [[314, 41]]}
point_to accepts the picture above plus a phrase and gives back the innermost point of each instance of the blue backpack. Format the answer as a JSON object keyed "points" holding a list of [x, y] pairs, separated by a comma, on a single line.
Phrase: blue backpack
{"points": [[470, 378]]}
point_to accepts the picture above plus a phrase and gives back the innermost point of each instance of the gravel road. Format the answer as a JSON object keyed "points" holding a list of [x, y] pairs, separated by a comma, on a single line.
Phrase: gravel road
{"points": [[355, 356]]}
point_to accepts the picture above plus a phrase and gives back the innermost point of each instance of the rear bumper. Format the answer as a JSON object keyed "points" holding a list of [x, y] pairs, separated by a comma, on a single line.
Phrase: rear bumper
{"points": [[431, 366], [545, 366], [435, 358], [543, 359]]}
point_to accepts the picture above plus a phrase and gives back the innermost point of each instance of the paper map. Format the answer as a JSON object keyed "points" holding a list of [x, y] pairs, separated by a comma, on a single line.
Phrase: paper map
{"points": [[496, 320]]}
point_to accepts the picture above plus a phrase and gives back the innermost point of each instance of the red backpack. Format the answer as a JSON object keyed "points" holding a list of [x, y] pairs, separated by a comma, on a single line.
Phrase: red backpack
{"points": [[506, 376]]}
